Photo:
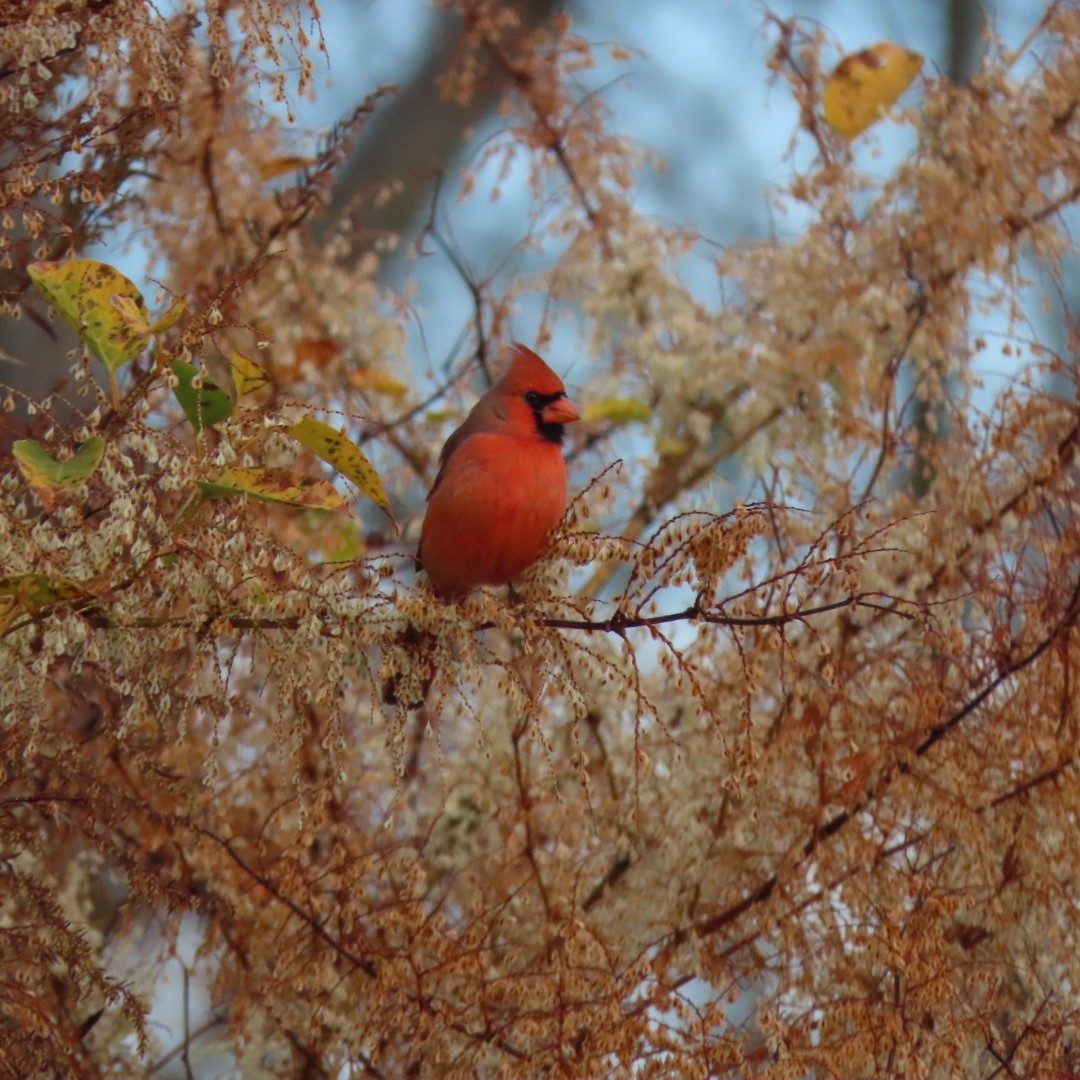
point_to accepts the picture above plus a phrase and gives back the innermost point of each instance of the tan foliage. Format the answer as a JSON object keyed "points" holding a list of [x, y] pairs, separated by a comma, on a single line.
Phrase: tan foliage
{"points": [[818, 750]]}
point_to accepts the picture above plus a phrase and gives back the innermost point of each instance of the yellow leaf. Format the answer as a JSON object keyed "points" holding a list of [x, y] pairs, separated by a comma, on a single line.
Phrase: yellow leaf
{"points": [[83, 291], [865, 84], [279, 166], [673, 448], [378, 381], [618, 411], [247, 375], [343, 455], [274, 485]]}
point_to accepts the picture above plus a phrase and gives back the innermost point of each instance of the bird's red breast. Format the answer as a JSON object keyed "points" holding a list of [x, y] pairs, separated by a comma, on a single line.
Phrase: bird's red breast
{"points": [[501, 486]]}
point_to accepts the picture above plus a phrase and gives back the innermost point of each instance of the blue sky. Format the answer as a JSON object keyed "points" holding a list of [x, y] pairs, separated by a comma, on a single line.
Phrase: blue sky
{"points": [[697, 91]]}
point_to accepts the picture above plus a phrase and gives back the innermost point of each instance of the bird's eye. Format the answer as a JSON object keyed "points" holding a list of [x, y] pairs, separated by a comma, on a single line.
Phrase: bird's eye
{"points": [[534, 400]]}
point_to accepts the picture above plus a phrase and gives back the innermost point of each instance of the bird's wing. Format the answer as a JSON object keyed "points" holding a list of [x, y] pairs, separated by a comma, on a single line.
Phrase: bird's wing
{"points": [[483, 418]]}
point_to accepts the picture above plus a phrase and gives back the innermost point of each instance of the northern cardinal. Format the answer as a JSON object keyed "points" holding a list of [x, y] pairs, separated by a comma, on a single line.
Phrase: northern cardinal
{"points": [[501, 486]]}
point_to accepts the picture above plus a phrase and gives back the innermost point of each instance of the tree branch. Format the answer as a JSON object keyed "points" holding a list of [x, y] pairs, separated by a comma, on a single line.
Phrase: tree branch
{"points": [[835, 824]]}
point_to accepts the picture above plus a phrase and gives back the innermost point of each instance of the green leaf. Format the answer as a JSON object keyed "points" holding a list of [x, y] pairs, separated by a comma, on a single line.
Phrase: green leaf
{"points": [[274, 485], [247, 375], [81, 290], [47, 475], [203, 405], [343, 455], [618, 411]]}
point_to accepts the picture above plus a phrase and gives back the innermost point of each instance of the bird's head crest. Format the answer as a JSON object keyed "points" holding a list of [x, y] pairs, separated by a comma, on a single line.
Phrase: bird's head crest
{"points": [[528, 372]]}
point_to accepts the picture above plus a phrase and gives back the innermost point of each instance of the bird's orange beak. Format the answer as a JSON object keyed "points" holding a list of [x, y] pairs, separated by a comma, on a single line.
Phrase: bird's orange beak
{"points": [[561, 411]]}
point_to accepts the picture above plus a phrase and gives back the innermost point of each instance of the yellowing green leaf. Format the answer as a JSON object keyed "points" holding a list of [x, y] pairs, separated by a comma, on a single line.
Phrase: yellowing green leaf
{"points": [[618, 411], [439, 416], [82, 291], [37, 590], [47, 475], [343, 455], [274, 485], [29, 593], [171, 317], [865, 84], [205, 405], [133, 315], [247, 375]]}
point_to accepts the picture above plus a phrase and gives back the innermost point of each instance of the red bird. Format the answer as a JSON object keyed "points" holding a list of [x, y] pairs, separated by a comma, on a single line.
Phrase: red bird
{"points": [[501, 486]]}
